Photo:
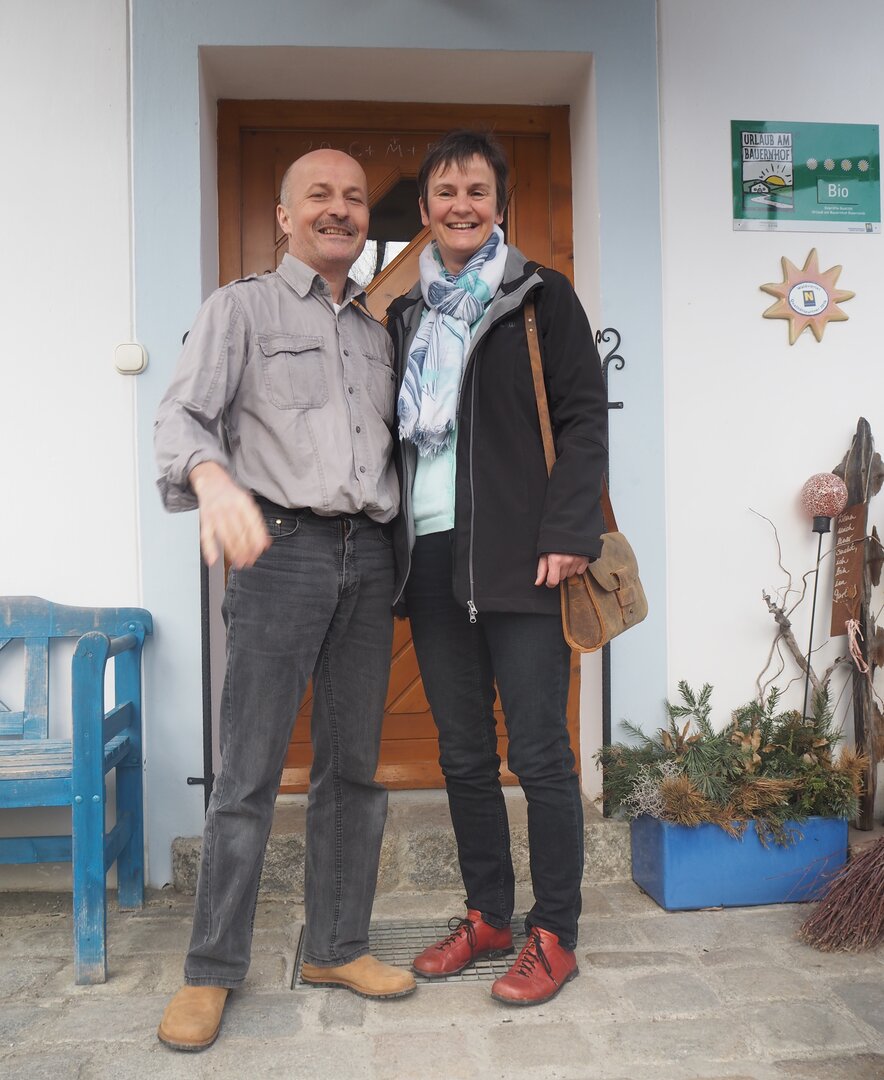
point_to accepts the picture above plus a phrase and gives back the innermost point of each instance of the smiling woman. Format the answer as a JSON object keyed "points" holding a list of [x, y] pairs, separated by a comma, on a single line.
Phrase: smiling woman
{"points": [[484, 540]]}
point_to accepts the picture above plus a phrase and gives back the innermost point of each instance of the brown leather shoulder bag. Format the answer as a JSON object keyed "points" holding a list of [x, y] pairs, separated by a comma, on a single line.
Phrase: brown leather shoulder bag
{"points": [[608, 597]]}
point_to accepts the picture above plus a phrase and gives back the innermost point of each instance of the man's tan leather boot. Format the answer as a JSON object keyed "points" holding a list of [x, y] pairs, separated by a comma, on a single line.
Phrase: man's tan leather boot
{"points": [[366, 976], [192, 1018]]}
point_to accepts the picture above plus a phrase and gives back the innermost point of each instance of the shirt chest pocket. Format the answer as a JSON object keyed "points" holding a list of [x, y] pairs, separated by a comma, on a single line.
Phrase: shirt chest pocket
{"points": [[294, 372], [381, 384]]}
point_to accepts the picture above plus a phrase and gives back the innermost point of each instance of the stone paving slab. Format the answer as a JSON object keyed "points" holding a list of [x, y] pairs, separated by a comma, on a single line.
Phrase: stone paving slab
{"points": [[712, 995]]}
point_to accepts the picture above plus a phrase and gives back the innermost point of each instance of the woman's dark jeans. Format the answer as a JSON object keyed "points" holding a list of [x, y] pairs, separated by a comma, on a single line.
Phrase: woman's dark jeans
{"points": [[530, 660]]}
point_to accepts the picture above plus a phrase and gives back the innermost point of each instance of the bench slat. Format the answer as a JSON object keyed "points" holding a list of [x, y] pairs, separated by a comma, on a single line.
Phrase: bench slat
{"points": [[12, 723], [116, 750], [37, 688], [45, 791], [116, 840], [31, 760], [34, 849], [118, 719]]}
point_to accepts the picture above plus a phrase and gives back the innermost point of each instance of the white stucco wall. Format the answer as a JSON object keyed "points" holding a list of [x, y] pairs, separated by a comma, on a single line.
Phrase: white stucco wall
{"points": [[749, 418], [67, 483]]}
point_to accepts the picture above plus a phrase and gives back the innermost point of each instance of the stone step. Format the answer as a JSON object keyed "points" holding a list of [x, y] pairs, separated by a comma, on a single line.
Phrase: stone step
{"points": [[419, 852]]}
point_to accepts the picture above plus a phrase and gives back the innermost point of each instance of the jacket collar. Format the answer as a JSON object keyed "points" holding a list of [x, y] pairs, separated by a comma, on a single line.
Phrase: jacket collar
{"points": [[515, 275]]}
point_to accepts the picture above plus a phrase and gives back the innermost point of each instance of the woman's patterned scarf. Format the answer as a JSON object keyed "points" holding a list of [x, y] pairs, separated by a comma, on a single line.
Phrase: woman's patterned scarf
{"points": [[428, 398]]}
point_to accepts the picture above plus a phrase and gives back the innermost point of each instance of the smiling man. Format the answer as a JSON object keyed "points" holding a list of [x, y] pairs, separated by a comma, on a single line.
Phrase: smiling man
{"points": [[277, 427]]}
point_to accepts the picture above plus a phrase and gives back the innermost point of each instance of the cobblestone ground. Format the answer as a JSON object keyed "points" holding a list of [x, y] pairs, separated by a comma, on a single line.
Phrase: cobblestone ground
{"points": [[713, 995]]}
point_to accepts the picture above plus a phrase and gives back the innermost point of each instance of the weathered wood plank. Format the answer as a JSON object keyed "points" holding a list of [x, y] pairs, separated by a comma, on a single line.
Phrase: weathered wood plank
{"points": [[45, 791], [115, 751], [34, 849], [12, 723], [856, 470], [33, 617], [116, 840], [36, 725], [118, 719]]}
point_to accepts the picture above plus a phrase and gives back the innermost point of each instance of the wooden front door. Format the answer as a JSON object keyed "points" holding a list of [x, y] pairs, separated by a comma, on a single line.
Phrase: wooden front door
{"points": [[257, 140]]}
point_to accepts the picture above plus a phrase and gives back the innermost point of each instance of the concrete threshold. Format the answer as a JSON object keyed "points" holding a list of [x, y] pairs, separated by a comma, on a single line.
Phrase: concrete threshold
{"points": [[419, 852]]}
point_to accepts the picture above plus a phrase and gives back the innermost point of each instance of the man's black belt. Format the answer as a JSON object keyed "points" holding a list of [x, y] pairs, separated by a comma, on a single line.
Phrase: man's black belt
{"points": [[274, 508]]}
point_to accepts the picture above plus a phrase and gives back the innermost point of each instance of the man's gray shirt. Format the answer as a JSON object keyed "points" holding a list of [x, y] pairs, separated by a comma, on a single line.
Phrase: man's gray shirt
{"points": [[294, 400]]}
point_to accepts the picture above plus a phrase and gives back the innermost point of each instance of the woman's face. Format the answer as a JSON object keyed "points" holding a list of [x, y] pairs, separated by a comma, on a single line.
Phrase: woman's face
{"points": [[461, 211]]}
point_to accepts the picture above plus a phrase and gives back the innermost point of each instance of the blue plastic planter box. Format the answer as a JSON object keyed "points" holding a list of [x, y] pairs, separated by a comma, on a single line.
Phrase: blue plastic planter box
{"points": [[684, 868]]}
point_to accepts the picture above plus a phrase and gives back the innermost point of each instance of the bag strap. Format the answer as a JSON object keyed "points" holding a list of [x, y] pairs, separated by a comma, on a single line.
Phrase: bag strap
{"points": [[543, 411]]}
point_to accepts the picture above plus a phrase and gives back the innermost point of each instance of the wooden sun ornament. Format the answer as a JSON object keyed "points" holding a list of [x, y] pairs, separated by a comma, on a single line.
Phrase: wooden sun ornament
{"points": [[807, 297]]}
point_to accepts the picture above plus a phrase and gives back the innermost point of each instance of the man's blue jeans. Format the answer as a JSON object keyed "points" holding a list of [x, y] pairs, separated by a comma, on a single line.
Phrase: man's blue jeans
{"points": [[316, 603], [528, 657]]}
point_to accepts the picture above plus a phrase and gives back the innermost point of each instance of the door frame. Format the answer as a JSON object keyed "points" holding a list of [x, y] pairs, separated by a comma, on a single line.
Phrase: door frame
{"points": [[550, 122]]}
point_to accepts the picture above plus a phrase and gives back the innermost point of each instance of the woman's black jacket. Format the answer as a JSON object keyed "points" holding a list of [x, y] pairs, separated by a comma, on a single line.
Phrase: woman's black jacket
{"points": [[507, 512]]}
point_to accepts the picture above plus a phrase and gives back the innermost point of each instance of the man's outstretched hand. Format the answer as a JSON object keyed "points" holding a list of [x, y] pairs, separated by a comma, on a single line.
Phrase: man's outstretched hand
{"points": [[230, 521]]}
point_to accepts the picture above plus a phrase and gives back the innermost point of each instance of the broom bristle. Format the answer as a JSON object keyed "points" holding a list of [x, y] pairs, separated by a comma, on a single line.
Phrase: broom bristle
{"points": [[850, 917]]}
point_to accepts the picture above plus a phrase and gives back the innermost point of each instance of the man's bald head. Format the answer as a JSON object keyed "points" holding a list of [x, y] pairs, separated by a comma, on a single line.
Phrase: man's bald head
{"points": [[308, 161]]}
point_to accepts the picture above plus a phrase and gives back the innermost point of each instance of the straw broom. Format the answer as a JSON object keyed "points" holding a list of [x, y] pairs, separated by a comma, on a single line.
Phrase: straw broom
{"points": [[850, 916]]}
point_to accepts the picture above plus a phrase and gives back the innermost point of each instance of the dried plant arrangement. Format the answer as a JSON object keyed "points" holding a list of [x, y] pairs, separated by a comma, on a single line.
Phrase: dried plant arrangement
{"points": [[767, 766]]}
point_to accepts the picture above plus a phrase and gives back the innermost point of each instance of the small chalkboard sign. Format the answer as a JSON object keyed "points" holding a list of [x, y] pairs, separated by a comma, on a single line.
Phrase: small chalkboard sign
{"points": [[850, 550]]}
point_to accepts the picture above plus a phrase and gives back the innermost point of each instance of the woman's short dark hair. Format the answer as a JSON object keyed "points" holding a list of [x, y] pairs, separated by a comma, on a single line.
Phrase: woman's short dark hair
{"points": [[459, 148]]}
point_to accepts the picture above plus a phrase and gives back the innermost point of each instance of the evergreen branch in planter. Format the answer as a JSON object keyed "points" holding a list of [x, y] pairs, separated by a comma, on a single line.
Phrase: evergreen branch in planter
{"points": [[766, 766]]}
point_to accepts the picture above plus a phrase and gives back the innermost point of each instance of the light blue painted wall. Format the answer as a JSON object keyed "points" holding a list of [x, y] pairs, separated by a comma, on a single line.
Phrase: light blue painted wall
{"points": [[166, 37]]}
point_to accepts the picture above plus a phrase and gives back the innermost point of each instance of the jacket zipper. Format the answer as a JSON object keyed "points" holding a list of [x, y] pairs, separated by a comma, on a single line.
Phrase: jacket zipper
{"points": [[406, 478], [472, 610]]}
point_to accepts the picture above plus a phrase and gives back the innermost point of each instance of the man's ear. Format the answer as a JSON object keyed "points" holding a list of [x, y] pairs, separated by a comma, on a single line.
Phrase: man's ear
{"points": [[282, 216]]}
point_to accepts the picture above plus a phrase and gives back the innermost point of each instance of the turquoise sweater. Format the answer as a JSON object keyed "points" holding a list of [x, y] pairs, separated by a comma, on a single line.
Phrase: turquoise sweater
{"points": [[432, 492]]}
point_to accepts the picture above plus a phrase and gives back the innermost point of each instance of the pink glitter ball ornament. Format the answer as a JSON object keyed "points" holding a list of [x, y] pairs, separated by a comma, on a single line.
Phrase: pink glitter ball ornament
{"points": [[824, 495]]}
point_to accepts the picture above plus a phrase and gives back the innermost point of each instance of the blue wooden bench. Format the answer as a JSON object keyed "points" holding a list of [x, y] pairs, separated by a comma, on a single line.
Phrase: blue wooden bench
{"points": [[38, 771]]}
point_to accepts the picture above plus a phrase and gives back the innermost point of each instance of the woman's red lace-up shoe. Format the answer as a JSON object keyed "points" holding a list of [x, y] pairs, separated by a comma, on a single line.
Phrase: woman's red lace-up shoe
{"points": [[470, 939], [541, 970]]}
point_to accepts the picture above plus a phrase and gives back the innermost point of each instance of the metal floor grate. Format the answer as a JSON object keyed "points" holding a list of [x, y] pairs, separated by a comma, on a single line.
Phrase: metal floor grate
{"points": [[400, 942]]}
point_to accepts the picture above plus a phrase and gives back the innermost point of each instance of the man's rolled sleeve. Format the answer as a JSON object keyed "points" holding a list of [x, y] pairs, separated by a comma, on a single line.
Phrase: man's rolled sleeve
{"points": [[188, 428]]}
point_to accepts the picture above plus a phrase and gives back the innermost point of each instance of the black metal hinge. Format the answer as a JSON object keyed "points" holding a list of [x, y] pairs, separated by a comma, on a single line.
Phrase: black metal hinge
{"points": [[194, 781]]}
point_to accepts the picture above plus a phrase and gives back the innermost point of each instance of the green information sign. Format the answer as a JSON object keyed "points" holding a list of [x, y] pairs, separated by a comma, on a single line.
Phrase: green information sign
{"points": [[794, 177]]}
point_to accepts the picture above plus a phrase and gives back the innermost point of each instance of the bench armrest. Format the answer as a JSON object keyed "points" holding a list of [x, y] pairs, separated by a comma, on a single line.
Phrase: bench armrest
{"points": [[93, 725]]}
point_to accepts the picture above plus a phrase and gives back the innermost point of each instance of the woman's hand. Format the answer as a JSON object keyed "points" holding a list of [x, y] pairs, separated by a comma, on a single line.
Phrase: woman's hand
{"points": [[553, 568]]}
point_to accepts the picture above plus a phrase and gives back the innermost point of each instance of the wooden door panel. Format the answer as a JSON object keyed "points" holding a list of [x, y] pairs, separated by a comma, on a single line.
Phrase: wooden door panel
{"points": [[397, 278], [530, 202], [257, 142]]}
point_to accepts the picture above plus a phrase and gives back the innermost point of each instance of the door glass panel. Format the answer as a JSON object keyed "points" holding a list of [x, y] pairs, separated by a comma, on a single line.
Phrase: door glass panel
{"points": [[395, 221]]}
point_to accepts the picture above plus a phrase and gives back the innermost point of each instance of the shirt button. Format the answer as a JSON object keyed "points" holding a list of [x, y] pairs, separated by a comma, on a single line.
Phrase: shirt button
{"points": [[349, 389], [346, 353], [358, 429], [362, 468]]}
